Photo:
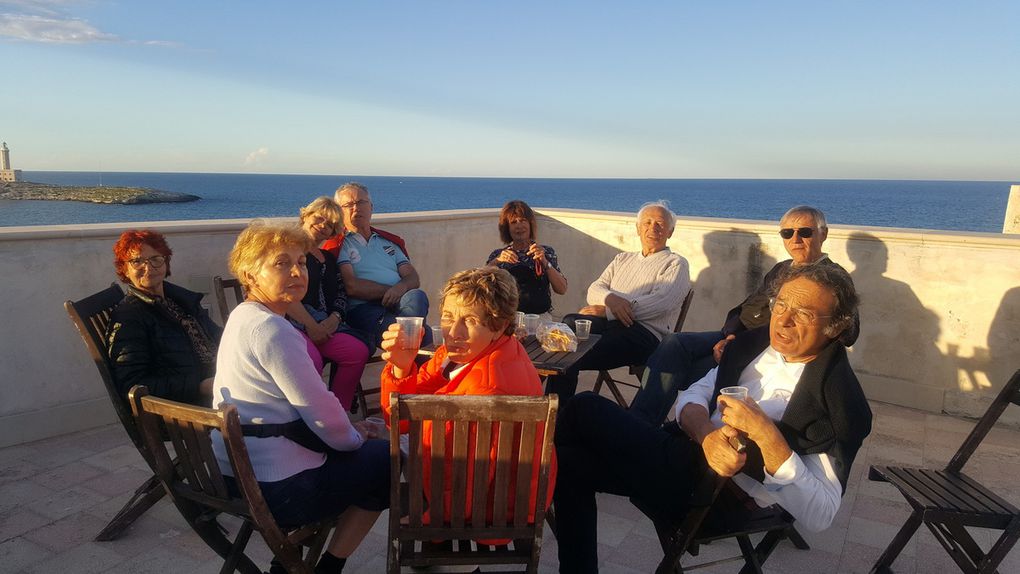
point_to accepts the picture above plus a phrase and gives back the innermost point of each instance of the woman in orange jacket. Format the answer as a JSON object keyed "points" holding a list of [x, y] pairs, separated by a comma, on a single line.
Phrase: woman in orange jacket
{"points": [[480, 357]]}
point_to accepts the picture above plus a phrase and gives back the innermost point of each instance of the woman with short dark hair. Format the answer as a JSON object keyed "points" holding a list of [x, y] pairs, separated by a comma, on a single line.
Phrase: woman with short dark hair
{"points": [[159, 336], [534, 267]]}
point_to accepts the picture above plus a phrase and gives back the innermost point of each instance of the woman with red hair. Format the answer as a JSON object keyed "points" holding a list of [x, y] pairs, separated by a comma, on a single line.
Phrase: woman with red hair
{"points": [[159, 335]]}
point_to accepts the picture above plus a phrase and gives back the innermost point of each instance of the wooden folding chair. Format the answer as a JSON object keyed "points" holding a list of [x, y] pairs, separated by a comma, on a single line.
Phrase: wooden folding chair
{"points": [[605, 378], [197, 488], [685, 535], [947, 501], [220, 287], [511, 425], [91, 316]]}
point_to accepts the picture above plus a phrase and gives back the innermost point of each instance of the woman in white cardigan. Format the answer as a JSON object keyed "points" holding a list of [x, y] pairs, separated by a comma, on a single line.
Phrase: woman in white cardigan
{"points": [[263, 368]]}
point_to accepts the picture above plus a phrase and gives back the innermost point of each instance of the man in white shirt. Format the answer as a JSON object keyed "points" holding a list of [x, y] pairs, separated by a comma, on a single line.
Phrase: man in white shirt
{"points": [[634, 303], [805, 418]]}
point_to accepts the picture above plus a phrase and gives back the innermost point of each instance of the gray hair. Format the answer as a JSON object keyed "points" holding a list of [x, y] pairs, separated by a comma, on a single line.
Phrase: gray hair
{"points": [[814, 212], [838, 282], [660, 204], [351, 186]]}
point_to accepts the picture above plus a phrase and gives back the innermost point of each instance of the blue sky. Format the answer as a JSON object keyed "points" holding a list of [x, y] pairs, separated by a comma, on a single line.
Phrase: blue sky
{"points": [[663, 89]]}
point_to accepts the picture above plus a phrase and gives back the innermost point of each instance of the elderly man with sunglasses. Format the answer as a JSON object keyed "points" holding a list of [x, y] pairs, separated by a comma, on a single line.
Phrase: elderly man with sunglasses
{"points": [[684, 358], [791, 441]]}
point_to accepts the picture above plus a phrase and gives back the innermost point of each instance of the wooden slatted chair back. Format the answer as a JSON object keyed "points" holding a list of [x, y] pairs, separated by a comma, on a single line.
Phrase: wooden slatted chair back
{"points": [[1009, 394], [91, 317], [221, 286], [462, 469], [196, 483]]}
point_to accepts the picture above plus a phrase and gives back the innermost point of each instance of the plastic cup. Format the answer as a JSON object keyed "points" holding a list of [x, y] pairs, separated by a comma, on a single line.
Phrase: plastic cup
{"points": [[531, 323], [437, 336], [411, 328], [738, 443], [582, 328], [519, 319], [739, 393]]}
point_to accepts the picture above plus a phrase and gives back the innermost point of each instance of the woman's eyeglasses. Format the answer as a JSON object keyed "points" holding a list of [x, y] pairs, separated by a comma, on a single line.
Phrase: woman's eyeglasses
{"points": [[156, 261], [803, 232]]}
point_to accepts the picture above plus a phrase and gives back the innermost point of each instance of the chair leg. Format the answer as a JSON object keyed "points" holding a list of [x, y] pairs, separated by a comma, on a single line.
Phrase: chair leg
{"points": [[212, 534], [896, 546], [798, 541], [1001, 548], [148, 494], [752, 565], [237, 548]]}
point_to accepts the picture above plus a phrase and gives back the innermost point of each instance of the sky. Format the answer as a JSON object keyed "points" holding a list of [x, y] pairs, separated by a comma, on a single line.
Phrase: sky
{"points": [[639, 89]]}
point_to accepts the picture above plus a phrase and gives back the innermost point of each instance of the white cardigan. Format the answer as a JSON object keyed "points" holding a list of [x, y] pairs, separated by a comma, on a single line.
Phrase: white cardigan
{"points": [[263, 368]]}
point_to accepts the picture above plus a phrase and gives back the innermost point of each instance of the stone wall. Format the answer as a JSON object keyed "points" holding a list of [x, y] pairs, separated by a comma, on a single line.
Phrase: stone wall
{"points": [[940, 321]]}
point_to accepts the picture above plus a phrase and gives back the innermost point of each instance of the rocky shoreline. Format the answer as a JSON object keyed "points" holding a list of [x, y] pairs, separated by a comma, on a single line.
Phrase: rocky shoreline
{"points": [[110, 195]]}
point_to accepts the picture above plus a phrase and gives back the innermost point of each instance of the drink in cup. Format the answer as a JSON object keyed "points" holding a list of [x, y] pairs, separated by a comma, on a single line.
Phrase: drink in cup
{"points": [[531, 323], [410, 331], [738, 443], [437, 336], [582, 328], [519, 319]]}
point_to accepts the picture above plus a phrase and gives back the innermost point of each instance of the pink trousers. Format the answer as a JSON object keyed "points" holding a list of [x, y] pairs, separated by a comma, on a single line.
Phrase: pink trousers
{"points": [[350, 356]]}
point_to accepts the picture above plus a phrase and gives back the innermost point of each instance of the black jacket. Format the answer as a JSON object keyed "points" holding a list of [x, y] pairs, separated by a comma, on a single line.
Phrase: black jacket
{"points": [[148, 347], [827, 412]]}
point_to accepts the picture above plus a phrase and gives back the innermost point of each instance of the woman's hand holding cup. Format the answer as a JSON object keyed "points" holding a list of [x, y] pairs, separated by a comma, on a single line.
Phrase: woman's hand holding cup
{"points": [[398, 351]]}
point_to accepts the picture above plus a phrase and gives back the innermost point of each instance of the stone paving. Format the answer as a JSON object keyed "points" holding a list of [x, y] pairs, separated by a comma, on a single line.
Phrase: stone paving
{"points": [[56, 494]]}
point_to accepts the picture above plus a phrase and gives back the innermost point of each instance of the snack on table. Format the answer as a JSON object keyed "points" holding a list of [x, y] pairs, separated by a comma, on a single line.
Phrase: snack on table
{"points": [[558, 338]]}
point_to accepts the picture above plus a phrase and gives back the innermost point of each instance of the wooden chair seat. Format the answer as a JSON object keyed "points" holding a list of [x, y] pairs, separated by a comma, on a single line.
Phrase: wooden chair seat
{"points": [[947, 500], [943, 495]]}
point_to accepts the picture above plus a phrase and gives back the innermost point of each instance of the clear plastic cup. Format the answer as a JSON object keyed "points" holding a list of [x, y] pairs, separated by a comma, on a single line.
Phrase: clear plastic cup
{"points": [[531, 322], [519, 319], [582, 328], [734, 392], [410, 328], [739, 443], [437, 336]]}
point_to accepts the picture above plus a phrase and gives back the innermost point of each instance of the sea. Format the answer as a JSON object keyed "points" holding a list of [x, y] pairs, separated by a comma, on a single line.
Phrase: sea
{"points": [[946, 205]]}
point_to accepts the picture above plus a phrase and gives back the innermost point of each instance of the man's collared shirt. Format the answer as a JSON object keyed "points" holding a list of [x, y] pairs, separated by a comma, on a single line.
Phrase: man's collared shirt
{"points": [[375, 259]]}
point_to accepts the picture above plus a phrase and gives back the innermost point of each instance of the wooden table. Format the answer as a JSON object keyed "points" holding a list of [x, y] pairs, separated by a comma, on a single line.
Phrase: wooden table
{"points": [[545, 362], [555, 363]]}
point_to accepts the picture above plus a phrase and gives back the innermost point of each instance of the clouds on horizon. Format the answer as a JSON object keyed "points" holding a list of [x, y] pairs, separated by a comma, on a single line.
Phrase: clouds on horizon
{"points": [[46, 22], [257, 157]]}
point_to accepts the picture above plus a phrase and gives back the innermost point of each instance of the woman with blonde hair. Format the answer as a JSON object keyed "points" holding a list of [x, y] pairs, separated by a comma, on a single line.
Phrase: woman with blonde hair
{"points": [[265, 371], [321, 314]]}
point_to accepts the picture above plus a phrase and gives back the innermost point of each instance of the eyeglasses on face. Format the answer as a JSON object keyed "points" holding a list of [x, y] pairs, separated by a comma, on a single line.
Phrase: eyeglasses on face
{"points": [[156, 261], [800, 316], [803, 232], [352, 204]]}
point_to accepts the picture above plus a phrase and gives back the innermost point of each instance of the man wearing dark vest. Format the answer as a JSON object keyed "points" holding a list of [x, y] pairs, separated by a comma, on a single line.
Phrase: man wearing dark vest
{"points": [[683, 358], [804, 420]]}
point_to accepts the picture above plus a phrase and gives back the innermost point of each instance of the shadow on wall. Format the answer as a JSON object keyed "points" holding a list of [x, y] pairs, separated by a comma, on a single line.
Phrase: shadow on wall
{"points": [[1004, 340], [898, 333], [737, 263]]}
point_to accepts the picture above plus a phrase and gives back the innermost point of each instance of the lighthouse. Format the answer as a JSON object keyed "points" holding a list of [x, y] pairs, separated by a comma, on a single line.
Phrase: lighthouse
{"points": [[6, 173]]}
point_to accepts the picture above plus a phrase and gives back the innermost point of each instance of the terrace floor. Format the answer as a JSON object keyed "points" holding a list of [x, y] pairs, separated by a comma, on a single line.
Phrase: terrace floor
{"points": [[56, 494]]}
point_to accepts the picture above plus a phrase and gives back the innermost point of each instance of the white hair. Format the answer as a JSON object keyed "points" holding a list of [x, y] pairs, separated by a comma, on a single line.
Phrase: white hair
{"points": [[659, 204], [815, 213]]}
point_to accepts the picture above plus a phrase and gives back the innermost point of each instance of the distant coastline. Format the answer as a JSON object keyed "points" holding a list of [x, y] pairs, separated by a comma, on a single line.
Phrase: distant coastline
{"points": [[90, 194]]}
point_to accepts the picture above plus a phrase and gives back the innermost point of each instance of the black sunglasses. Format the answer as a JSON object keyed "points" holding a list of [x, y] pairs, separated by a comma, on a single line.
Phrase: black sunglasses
{"points": [[803, 232]]}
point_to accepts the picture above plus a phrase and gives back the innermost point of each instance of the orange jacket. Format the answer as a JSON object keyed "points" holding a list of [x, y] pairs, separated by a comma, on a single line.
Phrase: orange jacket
{"points": [[503, 369]]}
